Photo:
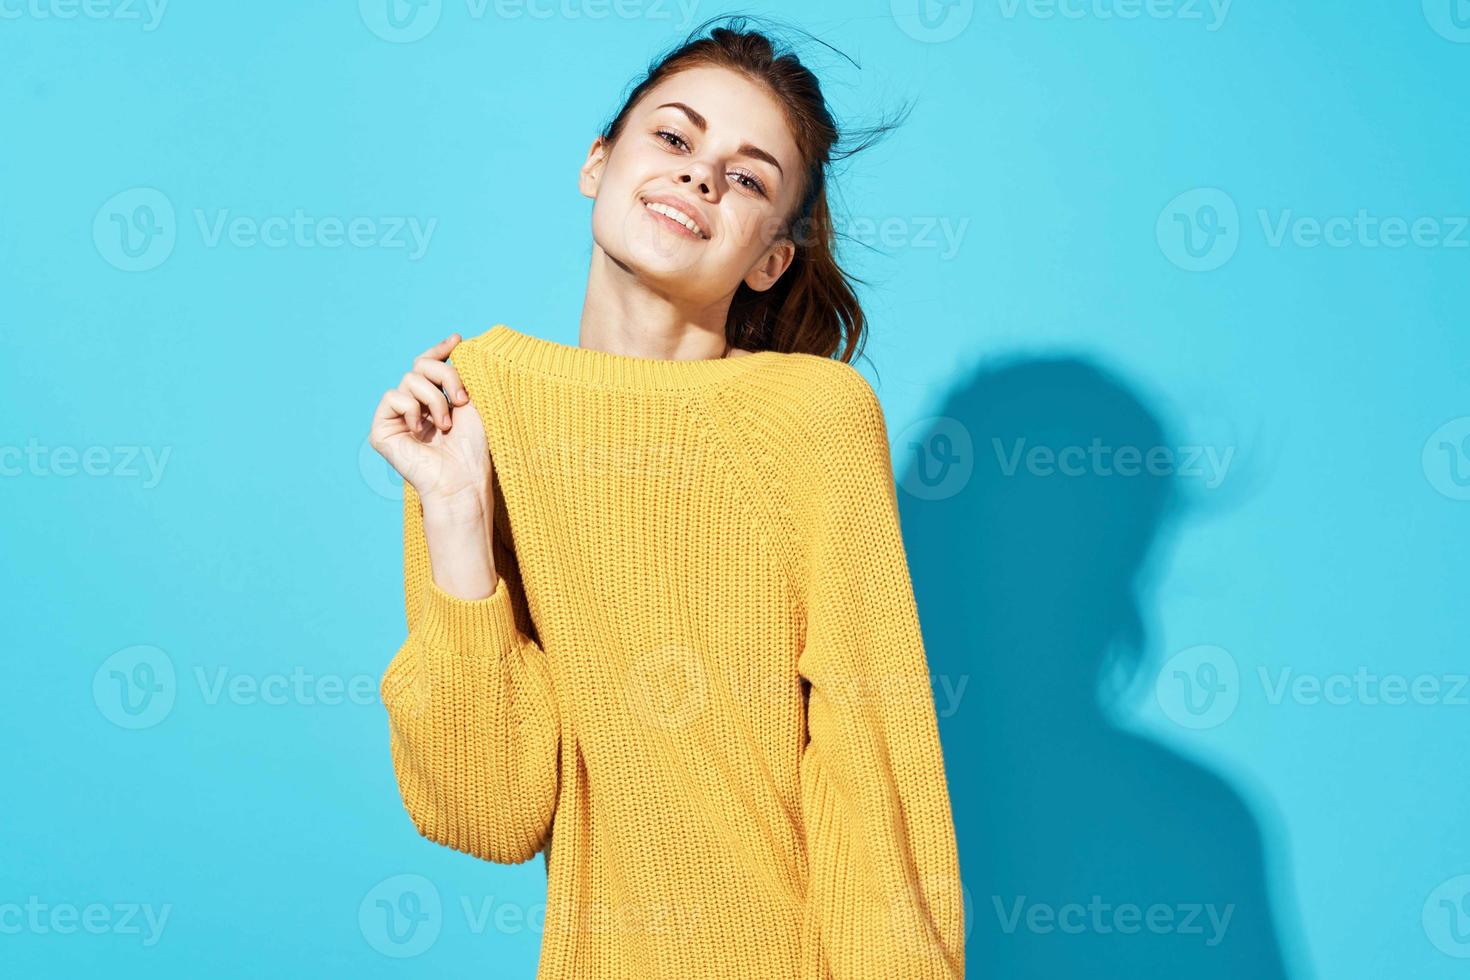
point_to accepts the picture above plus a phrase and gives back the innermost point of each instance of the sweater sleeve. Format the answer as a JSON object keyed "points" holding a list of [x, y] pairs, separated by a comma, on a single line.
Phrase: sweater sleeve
{"points": [[474, 727], [884, 898]]}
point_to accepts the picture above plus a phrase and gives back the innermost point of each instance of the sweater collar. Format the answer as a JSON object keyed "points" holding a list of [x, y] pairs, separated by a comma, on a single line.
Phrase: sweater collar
{"points": [[615, 370]]}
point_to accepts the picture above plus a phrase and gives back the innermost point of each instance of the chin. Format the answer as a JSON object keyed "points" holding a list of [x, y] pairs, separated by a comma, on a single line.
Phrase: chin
{"points": [[662, 258]]}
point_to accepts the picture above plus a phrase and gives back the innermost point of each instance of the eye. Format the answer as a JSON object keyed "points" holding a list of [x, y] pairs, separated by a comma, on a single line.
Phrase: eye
{"points": [[755, 182], [750, 181], [677, 139]]}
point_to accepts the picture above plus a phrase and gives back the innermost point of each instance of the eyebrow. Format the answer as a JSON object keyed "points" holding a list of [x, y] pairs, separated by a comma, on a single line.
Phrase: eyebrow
{"points": [[746, 149]]}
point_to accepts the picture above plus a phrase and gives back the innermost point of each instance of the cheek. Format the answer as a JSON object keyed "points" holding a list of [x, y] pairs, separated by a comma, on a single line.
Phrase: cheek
{"points": [[609, 222], [751, 229]]}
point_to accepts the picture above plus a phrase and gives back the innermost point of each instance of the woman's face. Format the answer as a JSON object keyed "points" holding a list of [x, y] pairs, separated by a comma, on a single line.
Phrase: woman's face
{"points": [[712, 144]]}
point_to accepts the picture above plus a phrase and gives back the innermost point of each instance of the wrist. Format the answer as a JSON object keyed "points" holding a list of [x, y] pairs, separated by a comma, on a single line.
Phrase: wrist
{"points": [[469, 506]]}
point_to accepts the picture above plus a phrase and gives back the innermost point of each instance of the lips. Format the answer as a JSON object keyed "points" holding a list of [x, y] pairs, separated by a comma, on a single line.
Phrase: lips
{"points": [[683, 206]]}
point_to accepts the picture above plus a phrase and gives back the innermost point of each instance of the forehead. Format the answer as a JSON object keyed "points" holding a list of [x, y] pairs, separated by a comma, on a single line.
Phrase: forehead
{"points": [[737, 109]]}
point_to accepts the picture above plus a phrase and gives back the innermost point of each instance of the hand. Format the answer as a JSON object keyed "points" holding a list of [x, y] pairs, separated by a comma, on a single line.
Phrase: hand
{"points": [[428, 430]]}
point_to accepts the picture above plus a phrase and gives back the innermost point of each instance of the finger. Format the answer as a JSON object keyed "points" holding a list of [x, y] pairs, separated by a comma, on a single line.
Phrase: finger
{"points": [[407, 407], [445, 376], [441, 350], [397, 407], [429, 394]]}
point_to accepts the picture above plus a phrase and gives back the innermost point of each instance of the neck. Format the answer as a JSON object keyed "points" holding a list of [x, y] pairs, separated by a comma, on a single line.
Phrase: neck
{"points": [[622, 314]]}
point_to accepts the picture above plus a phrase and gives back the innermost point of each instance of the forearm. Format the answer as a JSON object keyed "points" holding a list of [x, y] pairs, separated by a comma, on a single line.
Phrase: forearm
{"points": [[457, 532]]}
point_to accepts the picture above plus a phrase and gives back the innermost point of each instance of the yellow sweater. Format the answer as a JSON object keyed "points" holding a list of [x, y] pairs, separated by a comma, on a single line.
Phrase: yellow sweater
{"points": [[699, 686]]}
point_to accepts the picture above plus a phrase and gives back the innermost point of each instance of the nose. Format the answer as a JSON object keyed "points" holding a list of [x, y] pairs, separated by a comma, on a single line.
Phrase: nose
{"points": [[701, 176]]}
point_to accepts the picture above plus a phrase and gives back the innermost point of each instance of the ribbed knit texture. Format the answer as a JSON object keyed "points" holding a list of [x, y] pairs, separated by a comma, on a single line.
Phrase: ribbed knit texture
{"points": [[699, 686]]}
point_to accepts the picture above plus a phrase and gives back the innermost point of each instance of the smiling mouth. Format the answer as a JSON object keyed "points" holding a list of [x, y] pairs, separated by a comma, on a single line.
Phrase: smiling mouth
{"points": [[675, 219]]}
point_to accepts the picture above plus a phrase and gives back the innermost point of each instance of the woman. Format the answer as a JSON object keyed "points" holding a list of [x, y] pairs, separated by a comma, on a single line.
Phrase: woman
{"points": [[660, 622]]}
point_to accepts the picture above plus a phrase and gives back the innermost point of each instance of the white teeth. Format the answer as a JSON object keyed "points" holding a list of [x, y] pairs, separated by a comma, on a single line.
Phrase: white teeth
{"points": [[676, 214]]}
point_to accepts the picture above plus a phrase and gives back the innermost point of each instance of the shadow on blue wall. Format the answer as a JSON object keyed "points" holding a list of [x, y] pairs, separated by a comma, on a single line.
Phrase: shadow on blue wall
{"points": [[1031, 591]]}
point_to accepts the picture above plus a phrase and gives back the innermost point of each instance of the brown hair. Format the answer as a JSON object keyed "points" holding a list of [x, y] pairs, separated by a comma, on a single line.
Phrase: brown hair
{"points": [[812, 308]]}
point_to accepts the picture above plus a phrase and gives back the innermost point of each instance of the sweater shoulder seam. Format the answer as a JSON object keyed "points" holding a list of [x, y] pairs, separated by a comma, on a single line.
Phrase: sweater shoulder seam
{"points": [[770, 523]]}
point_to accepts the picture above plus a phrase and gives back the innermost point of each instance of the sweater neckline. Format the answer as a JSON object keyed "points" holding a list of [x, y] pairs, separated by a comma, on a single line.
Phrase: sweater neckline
{"points": [[615, 370]]}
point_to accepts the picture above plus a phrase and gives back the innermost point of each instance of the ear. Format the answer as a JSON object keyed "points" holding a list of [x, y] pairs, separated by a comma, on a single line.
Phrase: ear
{"points": [[592, 169], [772, 265]]}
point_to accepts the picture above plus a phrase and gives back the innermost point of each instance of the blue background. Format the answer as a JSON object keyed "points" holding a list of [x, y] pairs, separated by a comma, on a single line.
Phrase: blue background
{"points": [[1113, 186]]}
